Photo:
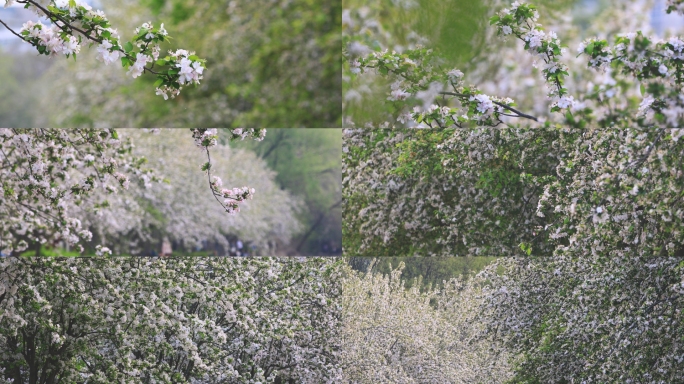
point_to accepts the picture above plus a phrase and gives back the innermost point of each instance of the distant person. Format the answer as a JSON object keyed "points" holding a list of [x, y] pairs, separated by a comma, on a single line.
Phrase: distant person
{"points": [[166, 249]]}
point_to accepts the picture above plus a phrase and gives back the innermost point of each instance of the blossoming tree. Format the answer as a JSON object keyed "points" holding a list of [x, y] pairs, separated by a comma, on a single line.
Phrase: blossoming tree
{"points": [[604, 317], [192, 320], [396, 335], [49, 173], [185, 209]]}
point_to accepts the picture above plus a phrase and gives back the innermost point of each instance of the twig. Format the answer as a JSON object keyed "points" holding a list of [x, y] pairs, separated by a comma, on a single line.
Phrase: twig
{"points": [[519, 114]]}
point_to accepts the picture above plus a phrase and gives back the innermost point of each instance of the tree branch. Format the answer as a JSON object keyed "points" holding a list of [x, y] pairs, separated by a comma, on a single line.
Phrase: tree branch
{"points": [[519, 114], [54, 18]]}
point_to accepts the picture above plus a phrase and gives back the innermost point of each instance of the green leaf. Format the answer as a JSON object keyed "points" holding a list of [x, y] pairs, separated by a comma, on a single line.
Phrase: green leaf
{"points": [[642, 89], [158, 83], [160, 62], [193, 58], [494, 19], [125, 61], [590, 48], [72, 3], [128, 47]]}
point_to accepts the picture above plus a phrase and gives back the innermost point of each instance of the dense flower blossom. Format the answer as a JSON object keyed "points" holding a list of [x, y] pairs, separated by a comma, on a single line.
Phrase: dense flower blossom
{"points": [[199, 320], [49, 39], [51, 175], [397, 334]]}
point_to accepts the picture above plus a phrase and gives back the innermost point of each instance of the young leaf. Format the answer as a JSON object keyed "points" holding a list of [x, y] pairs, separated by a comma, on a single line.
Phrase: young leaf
{"points": [[590, 48]]}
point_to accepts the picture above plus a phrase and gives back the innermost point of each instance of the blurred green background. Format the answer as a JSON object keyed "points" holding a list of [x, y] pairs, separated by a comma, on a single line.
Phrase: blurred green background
{"points": [[308, 163], [270, 63], [428, 271]]}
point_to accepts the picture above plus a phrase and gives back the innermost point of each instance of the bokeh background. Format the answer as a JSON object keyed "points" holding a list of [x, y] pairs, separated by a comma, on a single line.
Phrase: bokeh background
{"points": [[270, 63]]}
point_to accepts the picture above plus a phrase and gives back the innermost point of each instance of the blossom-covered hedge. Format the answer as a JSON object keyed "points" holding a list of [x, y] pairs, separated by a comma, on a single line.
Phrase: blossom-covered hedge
{"points": [[193, 320]]}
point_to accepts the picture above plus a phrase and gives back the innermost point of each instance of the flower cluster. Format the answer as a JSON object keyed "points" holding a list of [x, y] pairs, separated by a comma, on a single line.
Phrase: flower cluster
{"points": [[186, 68], [208, 137], [50, 40], [232, 196], [205, 137], [74, 23]]}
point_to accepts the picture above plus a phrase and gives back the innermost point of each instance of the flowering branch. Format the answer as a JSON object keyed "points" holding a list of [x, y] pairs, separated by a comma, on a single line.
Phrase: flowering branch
{"points": [[182, 67], [419, 80], [520, 21], [208, 137]]}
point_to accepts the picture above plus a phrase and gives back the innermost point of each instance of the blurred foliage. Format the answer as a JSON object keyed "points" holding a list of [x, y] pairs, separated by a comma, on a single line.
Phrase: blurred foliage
{"points": [[17, 88], [432, 271], [308, 163], [270, 63], [50, 251], [450, 26], [276, 61]]}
